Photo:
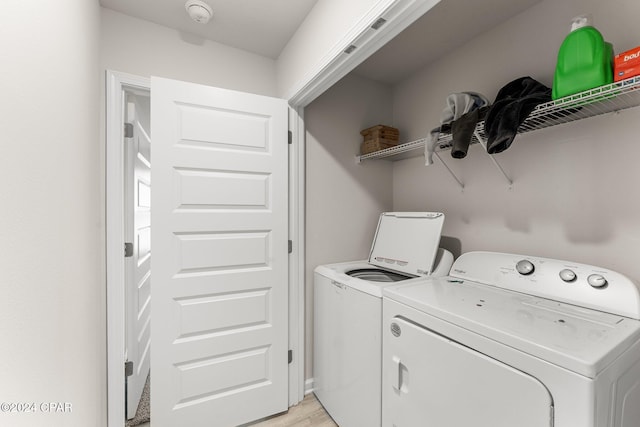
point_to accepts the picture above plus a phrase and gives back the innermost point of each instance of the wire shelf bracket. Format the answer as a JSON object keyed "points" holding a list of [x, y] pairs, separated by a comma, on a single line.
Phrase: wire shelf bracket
{"points": [[460, 183], [483, 142]]}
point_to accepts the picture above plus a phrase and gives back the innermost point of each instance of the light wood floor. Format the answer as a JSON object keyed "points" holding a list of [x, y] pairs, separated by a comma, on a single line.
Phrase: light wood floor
{"points": [[308, 413]]}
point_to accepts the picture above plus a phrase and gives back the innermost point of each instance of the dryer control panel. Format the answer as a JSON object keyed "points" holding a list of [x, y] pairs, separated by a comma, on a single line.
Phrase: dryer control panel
{"points": [[568, 282]]}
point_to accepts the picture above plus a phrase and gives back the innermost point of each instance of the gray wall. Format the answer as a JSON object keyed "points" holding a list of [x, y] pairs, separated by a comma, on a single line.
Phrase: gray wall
{"points": [[343, 199], [575, 192]]}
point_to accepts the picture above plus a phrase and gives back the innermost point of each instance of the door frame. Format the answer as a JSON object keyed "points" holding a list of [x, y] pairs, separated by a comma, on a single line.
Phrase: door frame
{"points": [[398, 14]]}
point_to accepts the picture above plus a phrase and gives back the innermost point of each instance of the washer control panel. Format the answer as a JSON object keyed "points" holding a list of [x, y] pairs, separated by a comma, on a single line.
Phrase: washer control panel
{"points": [[569, 282]]}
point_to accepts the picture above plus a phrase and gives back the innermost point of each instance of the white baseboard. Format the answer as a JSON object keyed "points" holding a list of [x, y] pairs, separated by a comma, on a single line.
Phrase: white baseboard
{"points": [[308, 386]]}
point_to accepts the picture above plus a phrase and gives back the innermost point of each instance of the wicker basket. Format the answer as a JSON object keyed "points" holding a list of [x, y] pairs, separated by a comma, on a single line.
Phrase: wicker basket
{"points": [[378, 138], [380, 132]]}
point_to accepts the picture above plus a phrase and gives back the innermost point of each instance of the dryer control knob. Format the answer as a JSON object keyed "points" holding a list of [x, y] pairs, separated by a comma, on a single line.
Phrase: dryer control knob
{"points": [[525, 267], [567, 275], [597, 280]]}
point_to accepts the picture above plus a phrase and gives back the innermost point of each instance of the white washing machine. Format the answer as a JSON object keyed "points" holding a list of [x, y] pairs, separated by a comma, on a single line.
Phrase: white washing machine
{"points": [[510, 340], [348, 313]]}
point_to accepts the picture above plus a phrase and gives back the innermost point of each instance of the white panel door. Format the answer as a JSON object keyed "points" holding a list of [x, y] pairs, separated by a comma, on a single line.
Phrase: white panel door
{"points": [[219, 231], [138, 266], [430, 380]]}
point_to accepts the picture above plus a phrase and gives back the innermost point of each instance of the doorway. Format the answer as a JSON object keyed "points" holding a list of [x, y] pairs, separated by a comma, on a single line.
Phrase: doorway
{"points": [[137, 237], [124, 248]]}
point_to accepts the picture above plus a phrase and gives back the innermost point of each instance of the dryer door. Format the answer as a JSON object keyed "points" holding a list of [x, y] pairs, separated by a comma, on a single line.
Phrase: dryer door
{"points": [[430, 380]]}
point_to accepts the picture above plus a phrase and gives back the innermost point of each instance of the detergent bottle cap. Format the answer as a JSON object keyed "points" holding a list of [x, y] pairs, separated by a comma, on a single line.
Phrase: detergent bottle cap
{"points": [[580, 21]]}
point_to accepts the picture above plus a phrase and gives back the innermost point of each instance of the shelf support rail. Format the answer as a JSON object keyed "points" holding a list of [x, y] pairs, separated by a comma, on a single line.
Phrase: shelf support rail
{"points": [[483, 142], [449, 170]]}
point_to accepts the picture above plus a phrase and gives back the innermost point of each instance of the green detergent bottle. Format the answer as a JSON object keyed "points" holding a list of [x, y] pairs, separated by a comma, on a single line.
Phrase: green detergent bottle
{"points": [[585, 60]]}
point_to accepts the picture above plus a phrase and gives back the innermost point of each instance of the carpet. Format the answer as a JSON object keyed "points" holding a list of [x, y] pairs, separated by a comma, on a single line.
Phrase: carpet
{"points": [[143, 413]]}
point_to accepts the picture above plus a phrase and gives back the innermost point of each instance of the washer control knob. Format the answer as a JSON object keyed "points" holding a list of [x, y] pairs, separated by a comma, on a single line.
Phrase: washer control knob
{"points": [[525, 267], [597, 280], [567, 275]]}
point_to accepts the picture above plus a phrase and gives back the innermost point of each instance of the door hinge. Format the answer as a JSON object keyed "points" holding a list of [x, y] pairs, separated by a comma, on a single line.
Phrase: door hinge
{"points": [[128, 130], [128, 368], [128, 250], [290, 136], [290, 246], [290, 356]]}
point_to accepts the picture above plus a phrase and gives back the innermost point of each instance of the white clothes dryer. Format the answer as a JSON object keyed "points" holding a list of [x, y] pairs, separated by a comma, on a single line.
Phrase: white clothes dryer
{"points": [[509, 340], [348, 313]]}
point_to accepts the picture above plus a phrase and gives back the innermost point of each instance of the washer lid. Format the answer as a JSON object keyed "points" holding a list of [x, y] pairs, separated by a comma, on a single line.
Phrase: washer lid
{"points": [[407, 241]]}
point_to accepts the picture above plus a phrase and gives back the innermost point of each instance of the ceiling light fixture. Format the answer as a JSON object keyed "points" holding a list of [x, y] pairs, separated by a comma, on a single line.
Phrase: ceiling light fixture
{"points": [[199, 11]]}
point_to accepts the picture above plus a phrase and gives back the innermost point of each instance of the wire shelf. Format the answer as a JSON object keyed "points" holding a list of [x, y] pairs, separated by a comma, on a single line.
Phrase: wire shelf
{"points": [[394, 151], [594, 102]]}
